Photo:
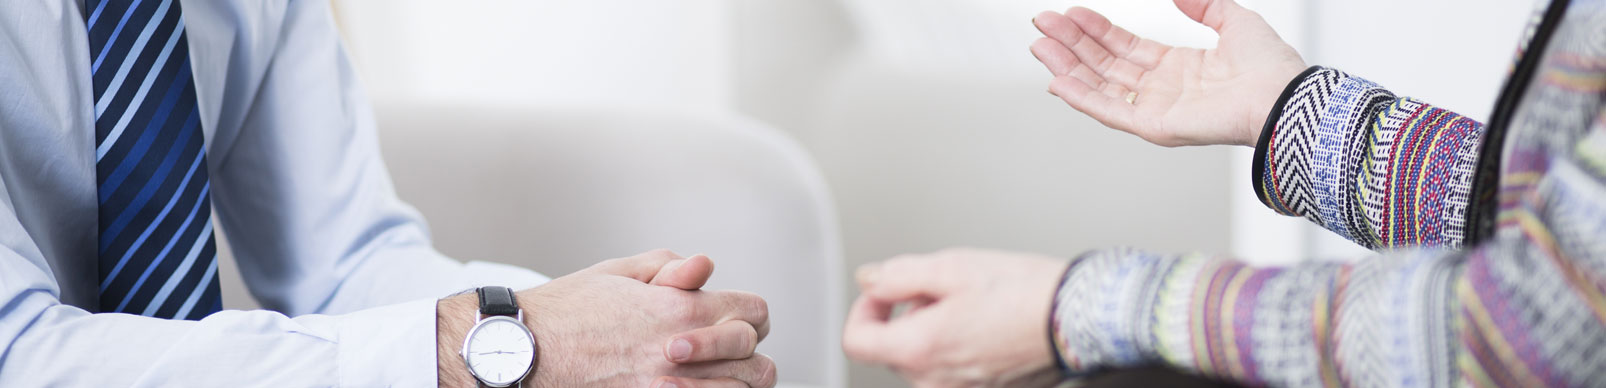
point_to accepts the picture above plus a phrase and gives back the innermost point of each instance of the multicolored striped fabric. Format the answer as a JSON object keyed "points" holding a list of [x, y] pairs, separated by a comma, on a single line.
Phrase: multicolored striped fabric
{"points": [[1383, 171], [1523, 307]]}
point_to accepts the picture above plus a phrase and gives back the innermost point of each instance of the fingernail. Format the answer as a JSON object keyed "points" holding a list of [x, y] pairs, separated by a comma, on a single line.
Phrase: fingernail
{"points": [[680, 350], [667, 384]]}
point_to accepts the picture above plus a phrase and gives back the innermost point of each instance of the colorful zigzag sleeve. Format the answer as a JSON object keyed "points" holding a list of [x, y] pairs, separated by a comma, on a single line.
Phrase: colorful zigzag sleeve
{"points": [[1380, 170], [1509, 314]]}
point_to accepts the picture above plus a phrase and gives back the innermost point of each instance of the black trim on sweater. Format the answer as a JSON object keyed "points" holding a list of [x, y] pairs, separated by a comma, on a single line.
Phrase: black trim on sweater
{"points": [[1258, 166], [1483, 207]]}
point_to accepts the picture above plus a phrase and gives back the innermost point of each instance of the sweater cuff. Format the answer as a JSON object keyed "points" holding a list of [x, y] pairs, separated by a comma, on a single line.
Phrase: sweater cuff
{"points": [[1056, 337], [1258, 166], [1102, 308]]}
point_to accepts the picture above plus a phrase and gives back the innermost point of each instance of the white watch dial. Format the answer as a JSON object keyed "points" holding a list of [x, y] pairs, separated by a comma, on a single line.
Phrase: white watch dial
{"points": [[499, 351]]}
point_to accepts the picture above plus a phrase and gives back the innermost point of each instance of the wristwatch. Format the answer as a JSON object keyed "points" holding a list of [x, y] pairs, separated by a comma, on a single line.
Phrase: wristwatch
{"points": [[499, 350]]}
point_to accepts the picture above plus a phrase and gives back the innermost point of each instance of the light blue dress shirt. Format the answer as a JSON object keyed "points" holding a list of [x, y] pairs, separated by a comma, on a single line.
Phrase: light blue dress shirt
{"points": [[343, 266]]}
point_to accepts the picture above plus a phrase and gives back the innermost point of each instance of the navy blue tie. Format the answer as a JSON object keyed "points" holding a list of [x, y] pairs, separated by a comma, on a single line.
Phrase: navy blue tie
{"points": [[157, 257]]}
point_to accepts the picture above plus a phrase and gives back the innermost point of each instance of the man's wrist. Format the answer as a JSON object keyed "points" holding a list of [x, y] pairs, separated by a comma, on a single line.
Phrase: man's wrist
{"points": [[453, 319], [457, 314]]}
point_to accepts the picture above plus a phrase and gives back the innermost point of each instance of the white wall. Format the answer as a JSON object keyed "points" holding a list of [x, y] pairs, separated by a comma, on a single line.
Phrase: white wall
{"points": [[662, 54]]}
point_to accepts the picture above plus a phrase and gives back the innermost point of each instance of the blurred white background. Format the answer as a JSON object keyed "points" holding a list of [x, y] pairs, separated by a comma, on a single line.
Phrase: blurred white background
{"points": [[928, 117]]}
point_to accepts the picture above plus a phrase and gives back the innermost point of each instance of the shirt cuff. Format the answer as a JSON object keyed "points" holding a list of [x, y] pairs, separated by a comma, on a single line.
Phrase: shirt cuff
{"points": [[395, 345], [390, 346]]}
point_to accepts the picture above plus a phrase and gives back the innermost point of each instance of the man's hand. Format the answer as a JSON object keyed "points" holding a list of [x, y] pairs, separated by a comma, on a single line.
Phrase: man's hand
{"points": [[972, 319], [632, 322], [1171, 96]]}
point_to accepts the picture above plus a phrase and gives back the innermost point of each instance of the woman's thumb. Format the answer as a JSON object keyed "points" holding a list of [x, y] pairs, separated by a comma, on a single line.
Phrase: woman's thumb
{"points": [[1211, 13]]}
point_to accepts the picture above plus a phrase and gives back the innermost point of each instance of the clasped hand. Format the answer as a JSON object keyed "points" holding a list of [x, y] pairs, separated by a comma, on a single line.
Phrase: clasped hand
{"points": [[640, 321]]}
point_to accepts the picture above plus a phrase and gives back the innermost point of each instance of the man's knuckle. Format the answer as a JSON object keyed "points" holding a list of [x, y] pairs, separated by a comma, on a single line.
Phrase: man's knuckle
{"points": [[756, 305], [767, 376], [691, 314], [749, 337]]}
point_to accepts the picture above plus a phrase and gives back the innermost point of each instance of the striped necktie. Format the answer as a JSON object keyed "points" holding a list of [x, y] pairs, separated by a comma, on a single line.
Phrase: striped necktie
{"points": [[157, 257]]}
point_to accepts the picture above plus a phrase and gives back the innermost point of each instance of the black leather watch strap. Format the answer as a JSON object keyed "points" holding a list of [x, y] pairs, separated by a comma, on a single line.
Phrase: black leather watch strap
{"points": [[497, 300]]}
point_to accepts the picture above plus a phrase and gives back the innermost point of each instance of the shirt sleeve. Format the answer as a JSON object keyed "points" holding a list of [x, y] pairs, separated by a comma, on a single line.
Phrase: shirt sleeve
{"points": [[312, 217], [44, 343], [1381, 170], [303, 194]]}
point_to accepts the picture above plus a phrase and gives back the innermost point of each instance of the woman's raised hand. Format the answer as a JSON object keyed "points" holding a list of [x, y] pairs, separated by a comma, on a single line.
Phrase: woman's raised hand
{"points": [[1171, 96]]}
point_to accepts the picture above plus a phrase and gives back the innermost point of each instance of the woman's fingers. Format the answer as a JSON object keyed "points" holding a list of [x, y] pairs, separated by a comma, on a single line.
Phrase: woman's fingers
{"points": [[1120, 42], [905, 278], [1056, 57], [1088, 50], [867, 337], [1109, 89], [872, 335], [732, 340], [1114, 112], [1064, 30], [1061, 62]]}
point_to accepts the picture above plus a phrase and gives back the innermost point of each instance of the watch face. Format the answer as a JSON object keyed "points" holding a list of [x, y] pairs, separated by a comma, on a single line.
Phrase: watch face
{"points": [[499, 351]]}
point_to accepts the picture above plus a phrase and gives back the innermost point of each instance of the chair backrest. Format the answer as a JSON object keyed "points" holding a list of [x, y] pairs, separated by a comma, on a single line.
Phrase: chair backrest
{"points": [[559, 189]]}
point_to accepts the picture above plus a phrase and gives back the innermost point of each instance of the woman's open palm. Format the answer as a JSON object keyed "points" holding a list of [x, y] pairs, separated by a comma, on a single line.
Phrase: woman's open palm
{"points": [[1171, 96]]}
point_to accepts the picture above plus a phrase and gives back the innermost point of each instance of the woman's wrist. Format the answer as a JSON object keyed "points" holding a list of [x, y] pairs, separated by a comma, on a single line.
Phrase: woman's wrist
{"points": [[1266, 109]]}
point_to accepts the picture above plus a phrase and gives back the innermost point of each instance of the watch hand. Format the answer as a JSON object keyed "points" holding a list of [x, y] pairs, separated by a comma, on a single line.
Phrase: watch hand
{"points": [[502, 352]]}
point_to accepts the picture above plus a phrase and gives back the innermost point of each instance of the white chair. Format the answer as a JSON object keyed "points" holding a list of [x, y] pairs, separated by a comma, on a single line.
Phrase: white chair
{"points": [[559, 189]]}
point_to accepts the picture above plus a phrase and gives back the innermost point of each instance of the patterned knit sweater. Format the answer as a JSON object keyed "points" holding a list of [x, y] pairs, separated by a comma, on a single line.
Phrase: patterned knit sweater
{"points": [[1491, 268]]}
